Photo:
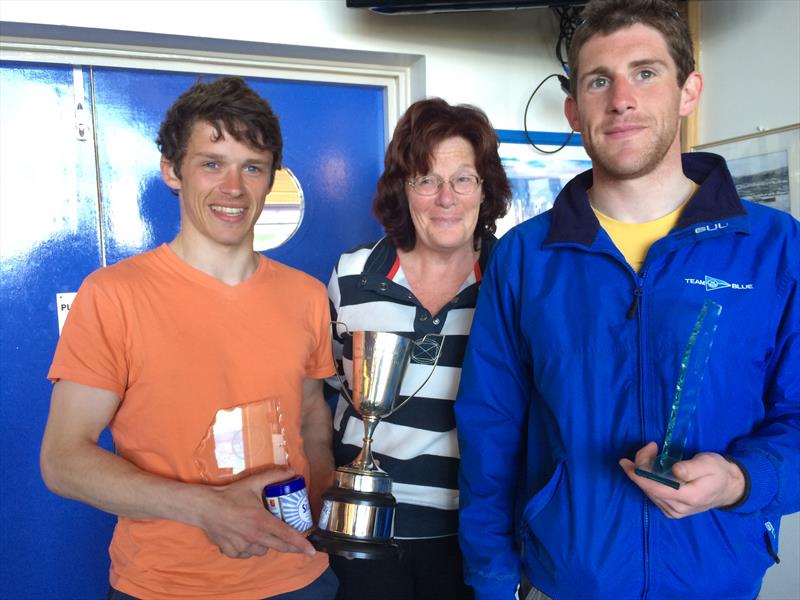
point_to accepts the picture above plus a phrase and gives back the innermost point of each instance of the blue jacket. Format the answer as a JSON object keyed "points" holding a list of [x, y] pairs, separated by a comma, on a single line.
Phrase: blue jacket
{"points": [[571, 365]]}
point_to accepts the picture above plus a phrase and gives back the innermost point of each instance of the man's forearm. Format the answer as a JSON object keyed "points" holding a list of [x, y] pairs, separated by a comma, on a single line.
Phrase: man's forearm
{"points": [[232, 515], [73, 465], [88, 473]]}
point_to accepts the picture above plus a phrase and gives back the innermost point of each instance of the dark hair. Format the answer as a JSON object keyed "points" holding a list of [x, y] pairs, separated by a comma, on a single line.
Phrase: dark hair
{"points": [[227, 103], [424, 125], [603, 17]]}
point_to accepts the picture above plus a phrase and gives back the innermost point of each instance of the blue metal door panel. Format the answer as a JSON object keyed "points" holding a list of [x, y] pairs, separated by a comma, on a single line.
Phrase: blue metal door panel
{"points": [[334, 144], [49, 241], [334, 141]]}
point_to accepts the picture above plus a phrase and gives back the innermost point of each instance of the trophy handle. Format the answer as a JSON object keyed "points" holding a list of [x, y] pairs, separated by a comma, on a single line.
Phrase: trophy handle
{"points": [[342, 382], [435, 362]]}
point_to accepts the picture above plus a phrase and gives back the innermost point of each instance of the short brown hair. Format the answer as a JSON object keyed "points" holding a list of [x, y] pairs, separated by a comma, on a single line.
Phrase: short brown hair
{"points": [[424, 125], [227, 103], [603, 17]]}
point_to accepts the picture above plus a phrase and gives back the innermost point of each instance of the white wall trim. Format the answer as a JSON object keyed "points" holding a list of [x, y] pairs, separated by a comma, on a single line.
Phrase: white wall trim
{"points": [[396, 79]]}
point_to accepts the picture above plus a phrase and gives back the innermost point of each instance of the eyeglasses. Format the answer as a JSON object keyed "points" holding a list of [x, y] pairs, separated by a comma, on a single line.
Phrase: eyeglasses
{"points": [[429, 185]]}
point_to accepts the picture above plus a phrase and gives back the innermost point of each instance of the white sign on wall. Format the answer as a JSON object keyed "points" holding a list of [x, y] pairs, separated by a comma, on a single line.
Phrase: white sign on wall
{"points": [[63, 302]]}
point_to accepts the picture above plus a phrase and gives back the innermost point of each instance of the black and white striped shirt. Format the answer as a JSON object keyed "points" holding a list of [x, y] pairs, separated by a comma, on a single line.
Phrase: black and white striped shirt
{"points": [[416, 445]]}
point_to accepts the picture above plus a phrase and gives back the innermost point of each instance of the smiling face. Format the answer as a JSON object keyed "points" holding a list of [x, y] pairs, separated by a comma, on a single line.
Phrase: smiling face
{"points": [[222, 188], [628, 105], [445, 222]]}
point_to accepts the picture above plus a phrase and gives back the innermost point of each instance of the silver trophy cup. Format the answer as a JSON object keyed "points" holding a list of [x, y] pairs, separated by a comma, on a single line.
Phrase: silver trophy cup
{"points": [[357, 518]]}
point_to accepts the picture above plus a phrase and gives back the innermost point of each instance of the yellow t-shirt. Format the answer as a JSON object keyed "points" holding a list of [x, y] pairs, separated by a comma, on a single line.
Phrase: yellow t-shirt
{"points": [[178, 346], [634, 239]]}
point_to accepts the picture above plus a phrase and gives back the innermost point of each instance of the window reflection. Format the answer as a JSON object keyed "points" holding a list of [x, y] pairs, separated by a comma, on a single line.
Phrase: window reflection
{"points": [[282, 213]]}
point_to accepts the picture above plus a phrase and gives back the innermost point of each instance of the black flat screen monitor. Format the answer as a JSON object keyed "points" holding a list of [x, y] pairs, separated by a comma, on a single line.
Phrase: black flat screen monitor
{"points": [[431, 6]]}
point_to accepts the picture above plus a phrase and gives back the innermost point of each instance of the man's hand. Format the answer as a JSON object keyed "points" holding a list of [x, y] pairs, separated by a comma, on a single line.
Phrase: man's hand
{"points": [[711, 481], [234, 518]]}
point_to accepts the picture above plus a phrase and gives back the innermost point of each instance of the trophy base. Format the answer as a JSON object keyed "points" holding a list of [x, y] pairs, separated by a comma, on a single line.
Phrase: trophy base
{"points": [[664, 477], [354, 523], [331, 543]]}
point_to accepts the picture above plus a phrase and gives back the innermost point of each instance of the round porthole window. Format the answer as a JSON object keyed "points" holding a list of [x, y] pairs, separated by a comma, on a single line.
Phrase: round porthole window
{"points": [[282, 212]]}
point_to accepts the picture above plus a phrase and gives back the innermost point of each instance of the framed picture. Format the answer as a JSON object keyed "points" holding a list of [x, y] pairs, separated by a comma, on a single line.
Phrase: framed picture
{"points": [[537, 177], [765, 166]]}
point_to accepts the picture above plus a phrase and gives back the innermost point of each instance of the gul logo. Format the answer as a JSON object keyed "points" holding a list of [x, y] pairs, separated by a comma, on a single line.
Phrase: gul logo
{"points": [[714, 227], [712, 283]]}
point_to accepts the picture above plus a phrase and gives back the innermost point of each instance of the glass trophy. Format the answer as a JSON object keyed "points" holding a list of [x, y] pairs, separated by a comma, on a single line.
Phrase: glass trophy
{"points": [[690, 378], [241, 440]]}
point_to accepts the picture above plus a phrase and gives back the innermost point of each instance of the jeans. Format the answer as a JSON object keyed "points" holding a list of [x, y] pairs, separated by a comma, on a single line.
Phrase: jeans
{"points": [[429, 569]]}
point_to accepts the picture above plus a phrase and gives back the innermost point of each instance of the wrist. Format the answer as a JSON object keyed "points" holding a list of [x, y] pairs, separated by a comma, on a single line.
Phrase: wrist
{"points": [[738, 487], [194, 503]]}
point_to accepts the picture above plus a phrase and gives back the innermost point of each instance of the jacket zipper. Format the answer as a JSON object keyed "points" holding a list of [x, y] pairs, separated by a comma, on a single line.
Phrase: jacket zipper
{"points": [[635, 310], [637, 293], [769, 535]]}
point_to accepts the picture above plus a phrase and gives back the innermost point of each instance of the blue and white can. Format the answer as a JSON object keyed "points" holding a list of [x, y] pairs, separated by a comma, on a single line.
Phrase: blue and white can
{"points": [[288, 501]]}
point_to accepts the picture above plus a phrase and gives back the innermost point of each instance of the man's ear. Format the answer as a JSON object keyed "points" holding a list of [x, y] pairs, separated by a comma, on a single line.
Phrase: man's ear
{"points": [[168, 174], [572, 114], [690, 93]]}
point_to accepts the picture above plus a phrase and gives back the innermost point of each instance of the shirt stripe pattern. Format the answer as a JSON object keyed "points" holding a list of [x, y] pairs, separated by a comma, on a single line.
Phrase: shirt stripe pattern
{"points": [[416, 445]]}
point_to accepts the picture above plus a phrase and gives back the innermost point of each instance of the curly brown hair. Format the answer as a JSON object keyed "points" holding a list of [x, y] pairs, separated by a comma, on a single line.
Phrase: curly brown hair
{"points": [[228, 104], [603, 17], [424, 125]]}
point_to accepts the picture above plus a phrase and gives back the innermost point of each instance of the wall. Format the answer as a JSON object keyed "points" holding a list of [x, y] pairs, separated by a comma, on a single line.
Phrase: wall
{"points": [[750, 56]]}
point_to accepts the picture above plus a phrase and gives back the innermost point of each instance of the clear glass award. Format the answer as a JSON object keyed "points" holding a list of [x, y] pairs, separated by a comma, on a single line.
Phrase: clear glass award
{"points": [[241, 440], [690, 378]]}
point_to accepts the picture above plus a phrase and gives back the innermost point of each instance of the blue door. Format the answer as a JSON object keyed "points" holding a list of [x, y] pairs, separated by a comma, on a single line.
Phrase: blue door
{"points": [[49, 241], [80, 188]]}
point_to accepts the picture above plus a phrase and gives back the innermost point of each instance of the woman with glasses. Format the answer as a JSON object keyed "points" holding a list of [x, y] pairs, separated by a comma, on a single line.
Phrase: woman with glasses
{"points": [[442, 189]]}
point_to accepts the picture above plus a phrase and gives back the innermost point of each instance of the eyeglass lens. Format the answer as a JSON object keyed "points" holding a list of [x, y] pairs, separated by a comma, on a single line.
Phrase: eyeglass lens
{"points": [[463, 184]]}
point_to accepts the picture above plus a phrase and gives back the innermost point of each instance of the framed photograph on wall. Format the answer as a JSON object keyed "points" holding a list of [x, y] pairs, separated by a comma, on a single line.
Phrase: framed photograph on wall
{"points": [[765, 166], [537, 177]]}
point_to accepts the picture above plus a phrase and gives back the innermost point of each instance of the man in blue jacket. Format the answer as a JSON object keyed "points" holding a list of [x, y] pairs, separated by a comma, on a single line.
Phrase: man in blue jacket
{"points": [[576, 345]]}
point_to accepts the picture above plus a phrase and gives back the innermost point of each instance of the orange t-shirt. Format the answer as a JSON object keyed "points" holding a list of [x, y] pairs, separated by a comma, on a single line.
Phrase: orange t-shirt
{"points": [[177, 346]]}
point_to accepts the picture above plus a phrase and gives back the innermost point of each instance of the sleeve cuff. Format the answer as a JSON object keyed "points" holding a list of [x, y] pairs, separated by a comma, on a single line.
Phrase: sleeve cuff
{"points": [[761, 481], [493, 586]]}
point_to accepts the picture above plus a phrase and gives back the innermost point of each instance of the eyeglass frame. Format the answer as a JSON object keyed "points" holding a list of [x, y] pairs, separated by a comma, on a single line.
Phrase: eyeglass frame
{"points": [[440, 182]]}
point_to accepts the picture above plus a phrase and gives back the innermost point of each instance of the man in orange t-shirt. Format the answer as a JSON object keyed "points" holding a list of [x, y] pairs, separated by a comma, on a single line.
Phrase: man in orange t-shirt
{"points": [[199, 355]]}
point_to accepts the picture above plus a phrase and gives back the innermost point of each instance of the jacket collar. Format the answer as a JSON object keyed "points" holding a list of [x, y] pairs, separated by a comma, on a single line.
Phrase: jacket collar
{"points": [[573, 221]]}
